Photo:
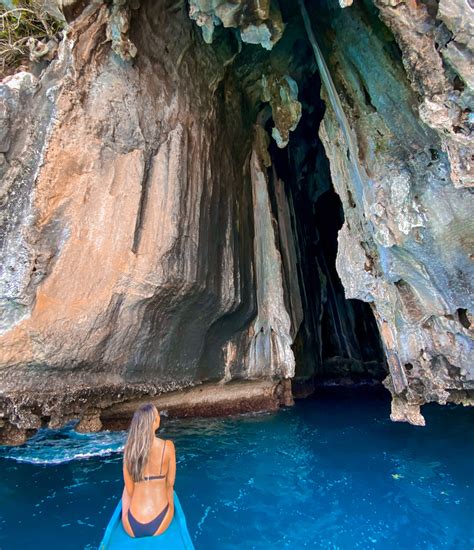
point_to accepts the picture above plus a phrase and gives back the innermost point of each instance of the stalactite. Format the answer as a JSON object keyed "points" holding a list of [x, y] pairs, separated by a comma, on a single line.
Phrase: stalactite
{"points": [[270, 348]]}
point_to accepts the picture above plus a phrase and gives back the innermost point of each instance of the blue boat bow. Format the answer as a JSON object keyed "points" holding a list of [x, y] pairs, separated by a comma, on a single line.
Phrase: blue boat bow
{"points": [[176, 537]]}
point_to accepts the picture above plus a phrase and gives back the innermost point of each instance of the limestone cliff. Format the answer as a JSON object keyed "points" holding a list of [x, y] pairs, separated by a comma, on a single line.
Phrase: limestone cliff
{"points": [[125, 237], [406, 244], [153, 238]]}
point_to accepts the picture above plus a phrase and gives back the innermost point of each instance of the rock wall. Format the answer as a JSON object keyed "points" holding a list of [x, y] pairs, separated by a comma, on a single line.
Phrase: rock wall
{"points": [[143, 249], [406, 244], [128, 223]]}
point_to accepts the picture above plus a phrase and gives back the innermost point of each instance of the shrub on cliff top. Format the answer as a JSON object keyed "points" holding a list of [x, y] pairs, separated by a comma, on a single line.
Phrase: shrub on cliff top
{"points": [[27, 33]]}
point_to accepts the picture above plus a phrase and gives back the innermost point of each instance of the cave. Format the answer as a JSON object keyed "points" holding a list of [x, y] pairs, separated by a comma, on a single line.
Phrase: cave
{"points": [[193, 198], [338, 339]]}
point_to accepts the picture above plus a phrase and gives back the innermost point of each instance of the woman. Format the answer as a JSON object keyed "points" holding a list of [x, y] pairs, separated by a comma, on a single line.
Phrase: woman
{"points": [[149, 470]]}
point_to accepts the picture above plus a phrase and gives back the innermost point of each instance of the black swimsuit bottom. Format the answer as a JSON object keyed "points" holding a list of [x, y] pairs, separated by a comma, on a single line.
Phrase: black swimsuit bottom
{"points": [[150, 528]]}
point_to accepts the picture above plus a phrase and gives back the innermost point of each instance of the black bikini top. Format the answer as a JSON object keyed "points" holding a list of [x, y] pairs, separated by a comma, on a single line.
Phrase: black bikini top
{"points": [[161, 476]]}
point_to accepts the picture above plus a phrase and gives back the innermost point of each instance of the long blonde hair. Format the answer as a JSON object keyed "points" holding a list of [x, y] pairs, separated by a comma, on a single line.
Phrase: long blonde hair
{"points": [[139, 440]]}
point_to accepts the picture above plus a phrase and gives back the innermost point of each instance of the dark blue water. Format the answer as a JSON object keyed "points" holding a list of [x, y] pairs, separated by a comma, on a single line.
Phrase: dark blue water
{"points": [[330, 473]]}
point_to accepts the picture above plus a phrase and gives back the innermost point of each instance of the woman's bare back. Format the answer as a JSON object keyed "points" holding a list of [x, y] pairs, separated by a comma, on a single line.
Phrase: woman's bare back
{"points": [[151, 496]]}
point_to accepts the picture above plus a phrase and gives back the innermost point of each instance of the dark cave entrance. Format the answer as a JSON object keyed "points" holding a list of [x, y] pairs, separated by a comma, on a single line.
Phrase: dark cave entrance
{"points": [[338, 338]]}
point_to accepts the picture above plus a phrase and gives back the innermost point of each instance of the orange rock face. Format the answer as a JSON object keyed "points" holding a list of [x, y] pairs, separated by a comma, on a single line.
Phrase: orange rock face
{"points": [[152, 240], [136, 232]]}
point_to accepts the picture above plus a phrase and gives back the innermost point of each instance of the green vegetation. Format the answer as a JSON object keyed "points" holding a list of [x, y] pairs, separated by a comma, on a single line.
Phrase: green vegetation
{"points": [[27, 32]]}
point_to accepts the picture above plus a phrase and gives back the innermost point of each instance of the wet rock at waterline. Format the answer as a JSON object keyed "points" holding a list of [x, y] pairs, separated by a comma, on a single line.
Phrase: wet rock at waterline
{"points": [[153, 237]]}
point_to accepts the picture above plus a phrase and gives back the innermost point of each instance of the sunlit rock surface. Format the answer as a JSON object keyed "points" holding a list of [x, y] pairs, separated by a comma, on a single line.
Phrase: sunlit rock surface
{"points": [[153, 238], [127, 226], [256, 21], [437, 45]]}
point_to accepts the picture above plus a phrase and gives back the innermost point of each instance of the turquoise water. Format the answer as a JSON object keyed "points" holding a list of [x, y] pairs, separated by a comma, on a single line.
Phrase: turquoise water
{"points": [[330, 473]]}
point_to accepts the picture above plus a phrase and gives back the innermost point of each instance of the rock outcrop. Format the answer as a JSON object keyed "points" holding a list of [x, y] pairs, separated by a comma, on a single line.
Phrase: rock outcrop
{"points": [[150, 241], [406, 244], [437, 44], [128, 219], [256, 21]]}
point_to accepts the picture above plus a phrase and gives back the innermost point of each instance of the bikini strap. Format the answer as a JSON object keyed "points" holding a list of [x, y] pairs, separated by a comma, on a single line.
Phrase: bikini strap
{"points": [[162, 457]]}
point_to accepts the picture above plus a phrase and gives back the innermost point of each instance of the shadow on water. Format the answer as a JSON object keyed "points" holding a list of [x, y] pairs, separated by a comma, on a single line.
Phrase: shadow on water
{"points": [[331, 472]]}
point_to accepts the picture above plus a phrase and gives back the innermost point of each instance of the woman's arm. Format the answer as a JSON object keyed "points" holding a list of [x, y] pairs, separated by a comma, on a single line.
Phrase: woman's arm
{"points": [[127, 492], [171, 474], [127, 479]]}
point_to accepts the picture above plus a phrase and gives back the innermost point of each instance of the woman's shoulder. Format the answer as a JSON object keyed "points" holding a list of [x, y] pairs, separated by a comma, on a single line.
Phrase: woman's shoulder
{"points": [[168, 442], [165, 447]]}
